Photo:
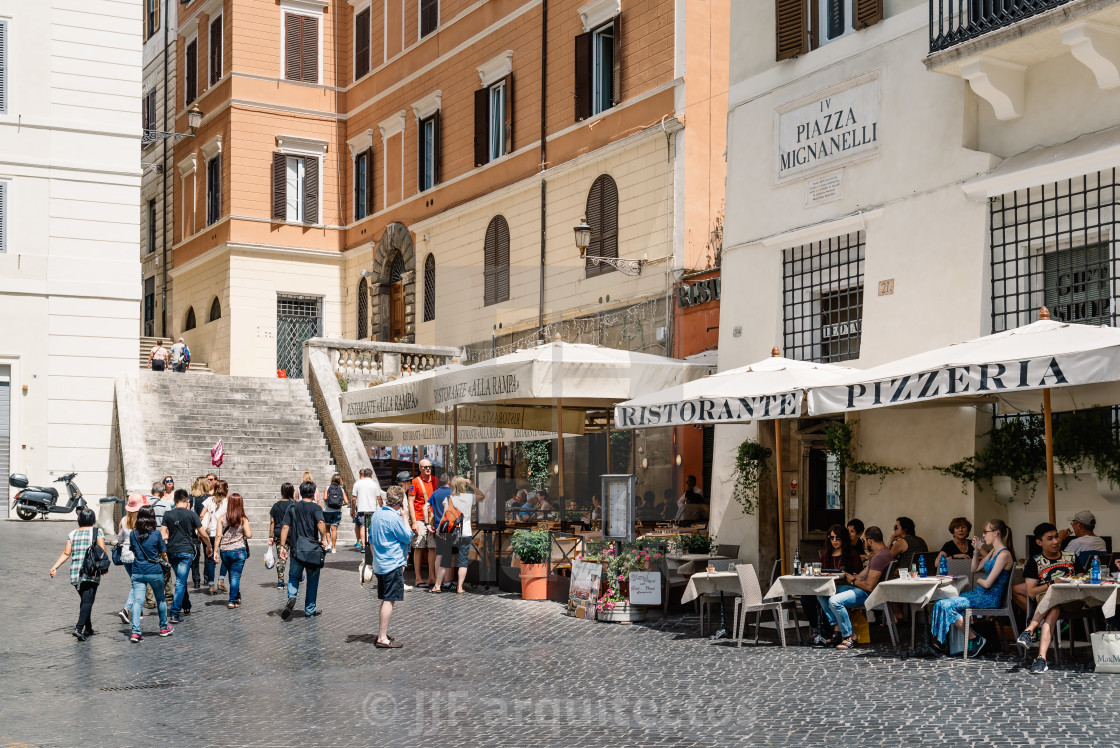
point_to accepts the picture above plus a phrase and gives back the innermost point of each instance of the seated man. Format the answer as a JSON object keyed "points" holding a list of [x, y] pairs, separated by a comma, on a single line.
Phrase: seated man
{"points": [[1039, 573], [1083, 524], [855, 592]]}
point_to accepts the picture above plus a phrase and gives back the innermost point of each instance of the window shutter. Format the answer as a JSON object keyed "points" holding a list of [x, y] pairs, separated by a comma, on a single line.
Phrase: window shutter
{"points": [[489, 262], [310, 50], [868, 12], [144, 113], [216, 188], [369, 181], [291, 46], [616, 71], [602, 217], [310, 190], [435, 149], [583, 76], [361, 43], [279, 187], [150, 118], [3, 66], [508, 109], [481, 126], [155, 15], [792, 28], [192, 71], [420, 151], [501, 261], [215, 50]]}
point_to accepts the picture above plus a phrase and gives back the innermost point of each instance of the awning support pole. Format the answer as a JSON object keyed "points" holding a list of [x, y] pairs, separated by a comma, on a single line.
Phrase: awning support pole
{"points": [[781, 502], [1049, 431], [455, 440], [560, 460]]}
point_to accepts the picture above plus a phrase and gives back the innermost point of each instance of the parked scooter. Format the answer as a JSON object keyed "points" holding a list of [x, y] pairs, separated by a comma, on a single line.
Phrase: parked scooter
{"points": [[43, 500]]}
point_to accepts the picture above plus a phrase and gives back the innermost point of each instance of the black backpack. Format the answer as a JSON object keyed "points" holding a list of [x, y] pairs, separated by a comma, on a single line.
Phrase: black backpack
{"points": [[335, 497], [96, 561]]}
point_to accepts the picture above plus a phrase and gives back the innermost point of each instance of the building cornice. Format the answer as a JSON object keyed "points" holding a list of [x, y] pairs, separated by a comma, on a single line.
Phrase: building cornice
{"points": [[428, 105], [393, 125], [295, 145], [598, 12], [492, 71]]}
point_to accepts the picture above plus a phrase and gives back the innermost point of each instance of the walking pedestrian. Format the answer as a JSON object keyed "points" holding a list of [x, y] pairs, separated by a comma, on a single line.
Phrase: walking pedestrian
{"points": [[303, 529], [182, 532], [275, 522], [308, 479], [180, 357], [158, 357], [464, 494], [149, 548], [389, 540], [128, 524], [212, 510], [367, 497], [77, 543], [334, 500], [423, 544], [234, 531], [162, 502], [200, 492]]}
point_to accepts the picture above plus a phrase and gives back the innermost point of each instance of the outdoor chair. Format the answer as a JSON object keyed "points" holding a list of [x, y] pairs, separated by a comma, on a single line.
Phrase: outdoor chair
{"points": [[786, 601], [960, 567], [752, 602], [1007, 610], [669, 582], [731, 551], [707, 600]]}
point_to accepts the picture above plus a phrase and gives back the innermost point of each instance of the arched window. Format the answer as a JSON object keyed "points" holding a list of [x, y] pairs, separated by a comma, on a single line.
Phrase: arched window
{"points": [[495, 262], [215, 309], [190, 324], [430, 288], [396, 270], [602, 217], [363, 309]]}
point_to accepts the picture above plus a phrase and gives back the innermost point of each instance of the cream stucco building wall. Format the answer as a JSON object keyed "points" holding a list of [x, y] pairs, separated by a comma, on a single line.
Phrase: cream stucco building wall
{"points": [[918, 203], [69, 272]]}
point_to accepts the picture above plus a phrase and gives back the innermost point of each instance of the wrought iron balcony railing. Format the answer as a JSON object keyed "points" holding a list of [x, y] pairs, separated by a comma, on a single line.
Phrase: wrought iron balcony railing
{"points": [[954, 21]]}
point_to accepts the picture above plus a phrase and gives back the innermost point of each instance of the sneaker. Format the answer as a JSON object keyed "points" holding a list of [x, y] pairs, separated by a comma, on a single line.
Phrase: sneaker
{"points": [[174, 619], [166, 630], [333, 549], [358, 546], [1024, 642], [136, 638], [279, 585], [79, 635], [408, 587], [124, 615], [286, 613], [1039, 666], [976, 645], [820, 641]]}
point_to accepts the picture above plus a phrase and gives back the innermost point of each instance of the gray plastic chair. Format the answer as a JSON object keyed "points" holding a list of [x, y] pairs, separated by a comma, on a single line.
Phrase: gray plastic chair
{"points": [[752, 602], [1007, 610]]}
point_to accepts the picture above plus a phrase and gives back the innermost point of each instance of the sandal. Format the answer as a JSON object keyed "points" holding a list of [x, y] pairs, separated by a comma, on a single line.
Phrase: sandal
{"points": [[434, 591], [849, 643], [231, 606]]}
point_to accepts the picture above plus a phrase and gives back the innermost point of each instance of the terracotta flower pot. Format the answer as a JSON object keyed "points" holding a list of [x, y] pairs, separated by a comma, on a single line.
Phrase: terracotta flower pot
{"points": [[534, 581]]}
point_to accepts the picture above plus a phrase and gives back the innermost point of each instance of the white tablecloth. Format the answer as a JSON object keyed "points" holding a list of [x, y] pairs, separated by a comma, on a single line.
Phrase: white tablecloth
{"points": [[919, 592], [695, 562], [793, 585], [1093, 595], [711, 582]]}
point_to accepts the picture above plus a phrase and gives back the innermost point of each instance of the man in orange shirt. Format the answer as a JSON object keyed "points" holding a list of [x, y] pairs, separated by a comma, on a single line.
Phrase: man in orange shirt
{"points": [[422, 539]]}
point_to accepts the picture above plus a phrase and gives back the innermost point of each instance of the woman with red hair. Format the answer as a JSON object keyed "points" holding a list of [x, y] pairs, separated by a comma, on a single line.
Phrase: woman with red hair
{"points": [[233, 545]]}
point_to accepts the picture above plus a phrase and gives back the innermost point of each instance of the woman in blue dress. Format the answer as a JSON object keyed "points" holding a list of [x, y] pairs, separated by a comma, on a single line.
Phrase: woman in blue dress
{"points": [[997, 564]]}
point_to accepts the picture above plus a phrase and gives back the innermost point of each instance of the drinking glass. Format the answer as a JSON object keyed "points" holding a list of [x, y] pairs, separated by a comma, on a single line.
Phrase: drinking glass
{"points": [[807, 570], [731, 568], [816, 569]]}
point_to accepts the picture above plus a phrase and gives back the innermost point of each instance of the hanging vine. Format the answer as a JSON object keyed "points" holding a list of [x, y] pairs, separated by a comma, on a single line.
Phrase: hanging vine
{"points": [[750, 465], [536, 455], [621, 444], [838, 442]]}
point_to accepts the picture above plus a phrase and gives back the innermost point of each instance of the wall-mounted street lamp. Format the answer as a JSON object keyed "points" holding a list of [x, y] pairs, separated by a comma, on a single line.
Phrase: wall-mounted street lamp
{"points": [[194, 121], [621, 264]]}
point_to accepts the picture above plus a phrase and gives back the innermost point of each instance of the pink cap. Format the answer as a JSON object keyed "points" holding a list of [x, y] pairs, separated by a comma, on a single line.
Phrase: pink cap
{"points": [[135, 501]]}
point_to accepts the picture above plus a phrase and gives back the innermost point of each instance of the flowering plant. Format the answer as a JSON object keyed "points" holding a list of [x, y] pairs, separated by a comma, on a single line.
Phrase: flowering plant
{"points": [[617, 566]]}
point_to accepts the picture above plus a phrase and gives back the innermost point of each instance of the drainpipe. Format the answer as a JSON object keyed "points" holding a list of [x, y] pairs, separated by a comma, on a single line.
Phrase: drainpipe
{"points": [[163, 195], [544, 157]]}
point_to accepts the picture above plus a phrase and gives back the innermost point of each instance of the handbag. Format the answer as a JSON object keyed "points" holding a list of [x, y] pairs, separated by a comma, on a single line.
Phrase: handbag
{"points": [[309, 552], [96, 561], [163, 565], [117, 555], [1106, 651]]}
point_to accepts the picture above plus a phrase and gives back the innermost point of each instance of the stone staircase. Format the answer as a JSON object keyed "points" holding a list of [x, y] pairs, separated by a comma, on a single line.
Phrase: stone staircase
{"points": [[147, 344], [269, 428]]}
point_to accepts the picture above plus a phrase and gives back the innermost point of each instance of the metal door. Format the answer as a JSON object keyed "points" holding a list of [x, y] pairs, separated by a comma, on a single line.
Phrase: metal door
{"points": [[5, 430], [150, 306], [297, 320]]}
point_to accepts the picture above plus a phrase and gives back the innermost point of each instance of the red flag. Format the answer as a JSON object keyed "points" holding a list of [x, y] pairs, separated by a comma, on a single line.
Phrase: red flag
{"points": [[217, 454]]}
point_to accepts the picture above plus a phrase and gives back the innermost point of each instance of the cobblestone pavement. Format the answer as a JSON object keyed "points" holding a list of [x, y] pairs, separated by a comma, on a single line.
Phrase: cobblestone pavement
{"points": [[481, 669]]}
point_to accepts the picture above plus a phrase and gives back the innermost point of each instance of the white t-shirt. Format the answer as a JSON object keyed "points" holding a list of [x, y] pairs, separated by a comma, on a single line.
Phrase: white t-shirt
{"points": [[1086, 543], [123, 535], [210, 524], [367, 491], [464, 502]]}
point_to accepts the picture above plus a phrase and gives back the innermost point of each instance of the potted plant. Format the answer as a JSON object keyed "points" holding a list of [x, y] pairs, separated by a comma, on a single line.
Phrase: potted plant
{"points": [[531, 548], [614, 603]]}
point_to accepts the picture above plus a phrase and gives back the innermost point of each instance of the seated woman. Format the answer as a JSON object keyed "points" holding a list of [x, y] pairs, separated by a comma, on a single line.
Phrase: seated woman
{"points": [[958, 546], [988, 592], [838, 555], [905, 544]]}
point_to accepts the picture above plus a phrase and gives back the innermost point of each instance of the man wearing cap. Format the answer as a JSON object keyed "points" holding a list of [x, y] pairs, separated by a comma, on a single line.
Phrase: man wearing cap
{"points": [[367, 497], [1083, 524], [423, 486], [180, 357], [389, 539]]}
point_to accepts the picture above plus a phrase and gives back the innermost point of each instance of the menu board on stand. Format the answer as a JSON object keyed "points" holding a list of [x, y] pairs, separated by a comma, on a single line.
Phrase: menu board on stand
{"points": [[618, 507]]}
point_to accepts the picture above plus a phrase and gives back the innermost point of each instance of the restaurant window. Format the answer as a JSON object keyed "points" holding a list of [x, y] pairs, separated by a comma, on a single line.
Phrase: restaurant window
{"points": [[823, 299], [1051, 245]]}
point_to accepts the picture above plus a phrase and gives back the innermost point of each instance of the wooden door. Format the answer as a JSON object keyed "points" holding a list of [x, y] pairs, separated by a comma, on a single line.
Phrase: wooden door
{"points": [[396, 311]]}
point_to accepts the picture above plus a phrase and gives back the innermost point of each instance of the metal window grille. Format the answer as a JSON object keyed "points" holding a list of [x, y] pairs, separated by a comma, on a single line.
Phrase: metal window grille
{"points": [[823, 299], [954, 21], [297, 320], [363, 309], [396, 270], [1054, 245], [430, 288]]}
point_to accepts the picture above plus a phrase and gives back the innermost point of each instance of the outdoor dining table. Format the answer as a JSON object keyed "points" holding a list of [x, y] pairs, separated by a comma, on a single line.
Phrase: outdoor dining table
{"points": [[712, 582], [918, 593], [796, 586], [1092, 595]]}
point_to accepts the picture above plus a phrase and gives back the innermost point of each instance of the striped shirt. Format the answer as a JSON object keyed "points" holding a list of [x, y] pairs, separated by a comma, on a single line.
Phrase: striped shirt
{"points": [[159, 353], [80, 542]]}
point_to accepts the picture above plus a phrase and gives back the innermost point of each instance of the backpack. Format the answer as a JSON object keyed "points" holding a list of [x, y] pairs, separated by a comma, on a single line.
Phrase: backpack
{"points": [[177, 354], [96, 561], [335, 497], [452, 521]]}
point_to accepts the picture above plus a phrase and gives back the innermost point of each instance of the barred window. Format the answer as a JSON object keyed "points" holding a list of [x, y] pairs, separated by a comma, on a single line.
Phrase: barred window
{"points": [[363, 309], [430, 288], [823, 299], [1052, 246]]}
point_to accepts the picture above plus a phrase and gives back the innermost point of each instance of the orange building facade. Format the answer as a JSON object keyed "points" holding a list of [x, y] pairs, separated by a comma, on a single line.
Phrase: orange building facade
{"points": [[412, 170]]}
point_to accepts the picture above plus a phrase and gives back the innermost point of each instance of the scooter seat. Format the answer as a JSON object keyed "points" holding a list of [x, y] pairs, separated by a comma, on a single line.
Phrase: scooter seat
{"points": [[42, 489]]}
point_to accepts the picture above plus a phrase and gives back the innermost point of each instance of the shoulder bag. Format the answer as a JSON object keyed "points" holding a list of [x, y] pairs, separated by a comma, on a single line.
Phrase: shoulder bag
{"points": [[164, 565], [451, 524], [307, 551]]}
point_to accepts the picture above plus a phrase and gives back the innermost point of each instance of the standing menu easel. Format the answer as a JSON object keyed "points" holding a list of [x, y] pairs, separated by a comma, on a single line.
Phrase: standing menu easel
{"points": [[618, 507]]}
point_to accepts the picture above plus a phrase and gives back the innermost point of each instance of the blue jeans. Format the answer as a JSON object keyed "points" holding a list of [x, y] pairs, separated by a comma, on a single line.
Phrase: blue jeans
{"points": [[155, 581], [295, 576], [234, 561], [210, 578], [836, 607], [128, 602], [181, 567]]}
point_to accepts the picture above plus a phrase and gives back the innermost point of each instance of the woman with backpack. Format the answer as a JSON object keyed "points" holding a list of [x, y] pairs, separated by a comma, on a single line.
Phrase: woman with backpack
{"points": [[128, 524], [78, 542], [334, 499], [456, 541], [149, 549], [233, 545], [212, 510]]}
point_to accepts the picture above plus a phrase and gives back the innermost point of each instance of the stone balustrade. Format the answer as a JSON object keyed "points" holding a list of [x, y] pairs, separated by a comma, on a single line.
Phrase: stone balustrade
{"points": [[361, 363]]}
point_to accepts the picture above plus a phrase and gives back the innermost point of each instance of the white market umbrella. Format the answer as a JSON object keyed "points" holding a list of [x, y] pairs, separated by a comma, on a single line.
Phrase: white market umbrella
{"points": [[771, 389], [397, 434], [1040, 366]]}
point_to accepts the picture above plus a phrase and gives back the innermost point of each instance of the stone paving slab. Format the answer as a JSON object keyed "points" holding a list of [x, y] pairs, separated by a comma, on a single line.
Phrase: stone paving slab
{"points": [[482, 669]]}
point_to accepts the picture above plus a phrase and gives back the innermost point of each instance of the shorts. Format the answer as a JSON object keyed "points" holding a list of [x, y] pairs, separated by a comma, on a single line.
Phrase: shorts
{"points": [[391, 586], [463, 554], [332, 518], [425, 538], [361, 519], [451, 549]]}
